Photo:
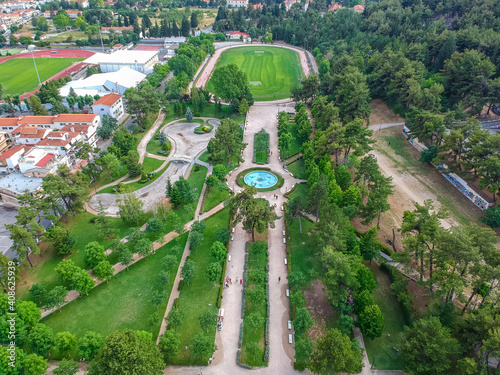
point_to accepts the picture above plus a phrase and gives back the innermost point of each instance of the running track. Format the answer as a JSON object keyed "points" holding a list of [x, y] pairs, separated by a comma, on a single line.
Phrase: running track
{"points": [[213, 60], [61, 53]]}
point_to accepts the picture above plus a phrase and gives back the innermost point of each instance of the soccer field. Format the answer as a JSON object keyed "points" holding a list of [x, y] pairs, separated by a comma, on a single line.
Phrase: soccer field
{"points": [[271, 71], [18, 76]]}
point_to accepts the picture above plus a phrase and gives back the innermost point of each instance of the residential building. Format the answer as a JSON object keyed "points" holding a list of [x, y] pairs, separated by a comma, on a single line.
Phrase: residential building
{"points": [[238, 35], [237, 3], [38, 162], [359, 8], [334, 8], [88, 132], [141, 61], [111, 105], [9, 159], [4, 138], [29, 135], [104, 83], [15, 185], [11, 124]]}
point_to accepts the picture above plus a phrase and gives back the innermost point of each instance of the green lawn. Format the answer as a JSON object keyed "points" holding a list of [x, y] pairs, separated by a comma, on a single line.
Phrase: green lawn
{"points": [[213, 197], [301, 190], [298, 169], [233, 164], [271, 73], [211, 111], [106, 178], [75, 35], [255, 262], [83, 230], [18, 76], [195, 298], [304, 257], [296, 144], [123, 303], [383, 347], [151, 164]]}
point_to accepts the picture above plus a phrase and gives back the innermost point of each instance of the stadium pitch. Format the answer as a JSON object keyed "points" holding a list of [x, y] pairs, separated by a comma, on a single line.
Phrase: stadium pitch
{"points": [[18, 76], [270, 70]]}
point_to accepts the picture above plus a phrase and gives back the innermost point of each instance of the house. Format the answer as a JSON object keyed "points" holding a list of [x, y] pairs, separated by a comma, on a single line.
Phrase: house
{"points": [[359, 8], [38, 162], [9, 159], [29, 135], [4, 138], [14, 125], [334, 8], [238, 35], [237, 3], [88, 132], [111, 105]]}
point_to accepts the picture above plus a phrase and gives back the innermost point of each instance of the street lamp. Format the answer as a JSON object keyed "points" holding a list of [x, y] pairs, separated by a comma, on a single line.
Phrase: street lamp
{"points": [[31, 48]]}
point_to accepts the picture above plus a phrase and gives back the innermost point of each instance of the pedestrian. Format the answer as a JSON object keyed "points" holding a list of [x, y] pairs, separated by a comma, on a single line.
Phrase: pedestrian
{"points": [[186, 347], [279, 279], [241, 281]]}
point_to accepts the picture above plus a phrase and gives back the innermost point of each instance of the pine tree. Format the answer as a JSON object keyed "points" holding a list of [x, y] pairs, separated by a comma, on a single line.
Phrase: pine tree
{"points": [[175, 29], [168, 188], [185, 27], [189, 115], [175, 196]]}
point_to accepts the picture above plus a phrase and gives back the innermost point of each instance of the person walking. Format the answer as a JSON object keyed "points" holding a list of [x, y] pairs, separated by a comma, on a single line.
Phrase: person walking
{"points": [[279, 279]]}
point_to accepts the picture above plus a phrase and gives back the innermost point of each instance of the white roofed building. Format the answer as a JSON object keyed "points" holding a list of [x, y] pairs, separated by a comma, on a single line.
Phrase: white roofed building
{"points": [[141, 61], [104, 83]]}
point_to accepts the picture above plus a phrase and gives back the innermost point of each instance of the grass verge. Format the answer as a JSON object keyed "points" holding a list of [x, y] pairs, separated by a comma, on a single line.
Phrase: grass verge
{"points": [[213, 197], [381, 350], [197, 297], [123, 303]]}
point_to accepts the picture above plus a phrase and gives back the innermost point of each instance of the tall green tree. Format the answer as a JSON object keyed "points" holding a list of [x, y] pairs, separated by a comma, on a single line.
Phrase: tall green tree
{"points": [[255, 214], [227, 143], [335, 353], [125, 351], [428, 348]]}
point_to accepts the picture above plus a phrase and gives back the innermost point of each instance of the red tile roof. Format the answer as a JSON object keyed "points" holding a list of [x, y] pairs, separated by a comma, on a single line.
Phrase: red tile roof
{"points": [[44, 160], [40, 133], [238, 33], [8, 121], [108, 100], [75, 128], [36, 120], [118, 28], [75, 117], [53, 142], [359, 7], [11, 151], [334, 7]]}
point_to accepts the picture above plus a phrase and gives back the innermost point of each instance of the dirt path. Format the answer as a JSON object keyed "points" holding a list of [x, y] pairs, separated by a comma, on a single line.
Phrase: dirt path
{"points": [[414, 182]]}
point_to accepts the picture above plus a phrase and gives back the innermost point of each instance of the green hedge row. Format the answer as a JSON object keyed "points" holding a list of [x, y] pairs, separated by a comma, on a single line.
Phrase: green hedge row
{"points": [[240, 340], [244, 291], [265, 138], [238, 361], [266, 350]]}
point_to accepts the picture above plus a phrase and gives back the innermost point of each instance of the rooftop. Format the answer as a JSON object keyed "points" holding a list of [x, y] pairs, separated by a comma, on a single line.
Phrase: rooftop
{"points": [[107, 100], [11, 151], [16, 182], [122, 57]]}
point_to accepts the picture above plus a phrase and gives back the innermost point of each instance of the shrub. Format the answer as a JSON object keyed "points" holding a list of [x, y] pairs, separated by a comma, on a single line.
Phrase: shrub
{"points": [[241, 335], [181, 285]]}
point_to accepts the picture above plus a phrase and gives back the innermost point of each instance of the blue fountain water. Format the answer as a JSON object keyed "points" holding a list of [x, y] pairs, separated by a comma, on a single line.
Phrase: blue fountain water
{"points": [[260, 179]]}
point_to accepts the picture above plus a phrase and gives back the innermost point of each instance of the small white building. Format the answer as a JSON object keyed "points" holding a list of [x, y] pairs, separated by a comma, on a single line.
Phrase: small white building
{"points": [[9, 159], [111, 105], [237, 3], [141, 61], [238, 35]]}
